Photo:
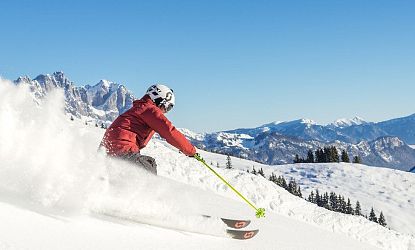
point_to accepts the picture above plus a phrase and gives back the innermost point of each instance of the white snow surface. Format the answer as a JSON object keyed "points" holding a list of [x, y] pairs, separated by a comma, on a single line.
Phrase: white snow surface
{"points": [[412, 146], [387, 190], [57, 192]]}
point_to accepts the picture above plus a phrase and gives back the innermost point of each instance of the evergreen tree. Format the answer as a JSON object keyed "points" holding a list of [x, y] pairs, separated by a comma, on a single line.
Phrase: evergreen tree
{"points": [[284, 183], [349, 209], [345, 156], [310, 156], [344, 205], [253, 171], [372, 216], [326, 154], [341, 204], [217, 165], [281, 182], [311, 197], [72, 118], [273, 178], [325, 200], [318, 198], [357, 210], [299, 194], [334, 154], [382, 220], [333, 201], [96, 125], [228, 162], [102, 125], [261, 172], [294, 188], [320, 155], [297, 159], [357, 159]]}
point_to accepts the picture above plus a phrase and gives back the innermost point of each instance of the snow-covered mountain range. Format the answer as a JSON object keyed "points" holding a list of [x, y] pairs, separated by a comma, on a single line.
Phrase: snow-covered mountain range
{"points": [[345, 130], [279, 142], [378, 144], [103, 101], [274, 148]]}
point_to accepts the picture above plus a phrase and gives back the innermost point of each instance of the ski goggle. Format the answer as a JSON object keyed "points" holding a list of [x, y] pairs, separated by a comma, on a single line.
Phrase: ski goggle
{"points": [[169, 107]]}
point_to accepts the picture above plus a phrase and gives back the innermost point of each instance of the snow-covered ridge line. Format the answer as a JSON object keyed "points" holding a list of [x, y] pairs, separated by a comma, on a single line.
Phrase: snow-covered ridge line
{"points": [[344, 122]]}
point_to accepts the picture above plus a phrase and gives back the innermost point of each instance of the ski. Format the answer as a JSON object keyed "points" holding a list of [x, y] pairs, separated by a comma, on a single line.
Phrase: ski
{"points": [[237, 224], [242, 234], [233, 223]]}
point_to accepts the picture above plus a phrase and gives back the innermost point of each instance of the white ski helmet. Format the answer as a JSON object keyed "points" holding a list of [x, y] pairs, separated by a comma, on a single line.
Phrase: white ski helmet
{"points": [[162, 96]]}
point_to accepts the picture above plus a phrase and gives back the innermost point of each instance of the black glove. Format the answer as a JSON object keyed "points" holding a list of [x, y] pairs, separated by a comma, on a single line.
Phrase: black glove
{"points": [[196, 155]]}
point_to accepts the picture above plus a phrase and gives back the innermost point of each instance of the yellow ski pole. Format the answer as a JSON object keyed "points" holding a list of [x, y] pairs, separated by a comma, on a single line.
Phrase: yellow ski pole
{"points": [[260, 212]]}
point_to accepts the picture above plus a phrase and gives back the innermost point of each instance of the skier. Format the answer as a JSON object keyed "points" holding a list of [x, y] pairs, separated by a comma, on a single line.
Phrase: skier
{"points": [[132, 130]]}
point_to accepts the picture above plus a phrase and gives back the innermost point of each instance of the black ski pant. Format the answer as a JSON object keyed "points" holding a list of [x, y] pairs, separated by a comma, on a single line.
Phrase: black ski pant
{"points": [[143, 161]]}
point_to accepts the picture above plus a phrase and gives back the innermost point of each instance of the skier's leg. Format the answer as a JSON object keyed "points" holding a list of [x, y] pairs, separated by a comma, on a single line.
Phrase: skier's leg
{"points": [[143, 161], [149, 163]]}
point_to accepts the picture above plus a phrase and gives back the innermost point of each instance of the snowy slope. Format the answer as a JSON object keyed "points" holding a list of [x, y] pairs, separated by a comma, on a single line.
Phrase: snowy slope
{"points": [[387, 190], [56, 192], [28, 229]]}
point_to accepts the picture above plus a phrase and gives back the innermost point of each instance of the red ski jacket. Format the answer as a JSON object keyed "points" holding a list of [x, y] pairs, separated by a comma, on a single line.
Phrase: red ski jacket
{"points": [[132, 130]]}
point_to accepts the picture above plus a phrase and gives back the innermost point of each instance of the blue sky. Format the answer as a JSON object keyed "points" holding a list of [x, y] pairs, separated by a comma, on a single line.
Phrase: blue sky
{"points": [[232, 64]]}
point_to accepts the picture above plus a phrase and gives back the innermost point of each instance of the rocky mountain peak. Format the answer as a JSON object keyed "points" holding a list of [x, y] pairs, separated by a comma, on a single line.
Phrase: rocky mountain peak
{"points": [[103, 101]]}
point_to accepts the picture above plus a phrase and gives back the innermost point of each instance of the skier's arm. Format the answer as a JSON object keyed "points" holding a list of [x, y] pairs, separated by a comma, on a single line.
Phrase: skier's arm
{"points": [[158, 121]]}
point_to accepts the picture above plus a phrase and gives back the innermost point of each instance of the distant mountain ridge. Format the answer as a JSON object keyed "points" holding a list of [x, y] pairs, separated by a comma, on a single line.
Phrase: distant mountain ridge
{"points": [[352, 132], [342, 123], [274, 148], [378, 144]]}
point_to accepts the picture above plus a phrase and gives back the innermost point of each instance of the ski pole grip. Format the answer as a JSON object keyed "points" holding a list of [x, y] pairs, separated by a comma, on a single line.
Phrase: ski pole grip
{"points": [[198, 157]]}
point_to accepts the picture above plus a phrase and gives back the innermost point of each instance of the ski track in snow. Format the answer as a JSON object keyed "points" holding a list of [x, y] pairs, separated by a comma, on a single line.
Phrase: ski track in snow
{"points": [[56, 191]]}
